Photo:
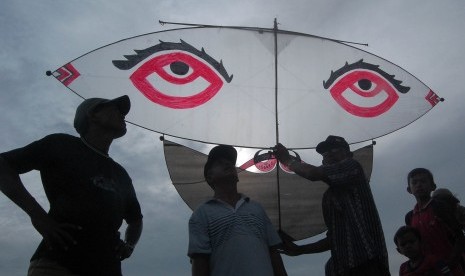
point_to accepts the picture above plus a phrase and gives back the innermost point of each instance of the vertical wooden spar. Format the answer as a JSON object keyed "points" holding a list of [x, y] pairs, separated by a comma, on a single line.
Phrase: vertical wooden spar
{"points": [[275, 31]]}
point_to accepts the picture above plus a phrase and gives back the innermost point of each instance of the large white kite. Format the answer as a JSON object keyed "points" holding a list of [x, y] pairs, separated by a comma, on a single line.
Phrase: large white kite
{"points": [[252, 87]]}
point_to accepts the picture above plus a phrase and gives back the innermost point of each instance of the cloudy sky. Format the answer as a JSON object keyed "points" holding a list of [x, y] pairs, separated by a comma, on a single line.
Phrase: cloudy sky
{"points": [[425, 37]]}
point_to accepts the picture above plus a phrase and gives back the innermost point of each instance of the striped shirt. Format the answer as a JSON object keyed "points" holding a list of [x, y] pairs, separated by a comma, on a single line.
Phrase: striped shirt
{"points": [[237, 239], [354, 227]]}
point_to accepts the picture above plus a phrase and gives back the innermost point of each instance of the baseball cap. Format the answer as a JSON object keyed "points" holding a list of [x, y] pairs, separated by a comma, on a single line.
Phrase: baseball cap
{"points": [[80, 119], [332, 142]]}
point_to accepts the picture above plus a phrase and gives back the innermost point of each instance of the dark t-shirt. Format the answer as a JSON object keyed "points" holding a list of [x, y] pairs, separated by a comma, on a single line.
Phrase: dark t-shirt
{"points": [[85, 189]]}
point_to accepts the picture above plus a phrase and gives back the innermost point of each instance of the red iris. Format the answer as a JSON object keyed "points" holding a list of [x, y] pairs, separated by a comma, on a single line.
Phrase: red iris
{"points": [[365, 84], [191, 69]]}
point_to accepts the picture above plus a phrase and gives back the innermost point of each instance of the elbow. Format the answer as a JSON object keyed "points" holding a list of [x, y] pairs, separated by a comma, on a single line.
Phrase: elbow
{"points": [[138, 223], [136, 226]]}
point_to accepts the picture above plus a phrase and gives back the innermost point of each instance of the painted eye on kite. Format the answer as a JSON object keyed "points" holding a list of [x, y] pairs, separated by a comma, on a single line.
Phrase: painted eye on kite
{"points": [[176, 80], [364, 90], [184, 77]]}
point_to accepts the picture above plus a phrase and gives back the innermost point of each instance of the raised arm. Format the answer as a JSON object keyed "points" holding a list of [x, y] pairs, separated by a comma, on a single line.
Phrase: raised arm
{"points": [[307, 171]]}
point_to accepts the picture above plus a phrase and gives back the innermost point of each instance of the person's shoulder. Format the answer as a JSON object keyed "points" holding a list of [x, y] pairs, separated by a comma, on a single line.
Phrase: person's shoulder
{"points": [[343, 170], [255, 205], [202, 210], [51, 141], [408, 217], [59, 141], [348, 163], [60, 137], [352, 161], [252, 202], [206, 204], [404, 268]]}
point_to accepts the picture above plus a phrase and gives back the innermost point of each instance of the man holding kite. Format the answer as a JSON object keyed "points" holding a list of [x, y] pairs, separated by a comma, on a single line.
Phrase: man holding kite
{"points": [[354, 237]]}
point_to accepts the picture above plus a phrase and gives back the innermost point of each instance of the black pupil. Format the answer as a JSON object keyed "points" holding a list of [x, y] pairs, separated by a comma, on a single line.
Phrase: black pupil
{"points": [[364, 84], [179, 68]]}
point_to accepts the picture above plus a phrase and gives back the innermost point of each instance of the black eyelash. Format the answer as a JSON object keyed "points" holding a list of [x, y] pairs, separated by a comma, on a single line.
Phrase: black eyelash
{"points": [[140, 55], [360, 64]]}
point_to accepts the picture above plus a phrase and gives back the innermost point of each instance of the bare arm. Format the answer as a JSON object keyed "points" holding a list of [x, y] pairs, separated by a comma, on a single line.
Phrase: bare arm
{"points": [[200, 265], [277, 262], [131, 237], [292, 249], [52, 232], [133, 232], [307, 171], [316, 247], [13, 188]]}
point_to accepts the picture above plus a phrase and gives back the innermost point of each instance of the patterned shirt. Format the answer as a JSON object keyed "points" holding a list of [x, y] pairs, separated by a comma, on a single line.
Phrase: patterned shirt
{"points": [[237, 239], [354, 227]]}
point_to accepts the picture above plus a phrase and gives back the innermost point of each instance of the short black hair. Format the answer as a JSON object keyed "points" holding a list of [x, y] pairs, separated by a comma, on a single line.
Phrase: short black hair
{"points": [[405, 230], [418, 171]]}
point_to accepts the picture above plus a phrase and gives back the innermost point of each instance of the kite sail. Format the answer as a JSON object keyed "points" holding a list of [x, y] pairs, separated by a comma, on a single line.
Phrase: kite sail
{"points": [[294, 207], [251, 87]]}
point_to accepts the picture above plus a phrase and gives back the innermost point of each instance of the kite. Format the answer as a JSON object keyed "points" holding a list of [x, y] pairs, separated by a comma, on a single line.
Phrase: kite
{"points": [[251, 88], [293, 207]]}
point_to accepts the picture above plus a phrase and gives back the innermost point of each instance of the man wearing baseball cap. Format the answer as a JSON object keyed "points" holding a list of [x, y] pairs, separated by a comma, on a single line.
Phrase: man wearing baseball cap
{"points": [[89, 194], [231, 234], [355, 236]]}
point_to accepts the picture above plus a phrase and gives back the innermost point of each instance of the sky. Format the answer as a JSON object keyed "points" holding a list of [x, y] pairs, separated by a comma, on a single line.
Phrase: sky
{"points": [[425, 37]]}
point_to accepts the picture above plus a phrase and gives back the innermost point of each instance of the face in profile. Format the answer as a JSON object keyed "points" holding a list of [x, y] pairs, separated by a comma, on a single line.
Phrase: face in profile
{"points": [[110, 118], [222, 171]]}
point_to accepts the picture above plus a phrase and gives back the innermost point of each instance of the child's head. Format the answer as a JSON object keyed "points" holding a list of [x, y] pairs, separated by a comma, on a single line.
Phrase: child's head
{"points": [[445, 195], [448, 208], [408, 242], [420, 183]]}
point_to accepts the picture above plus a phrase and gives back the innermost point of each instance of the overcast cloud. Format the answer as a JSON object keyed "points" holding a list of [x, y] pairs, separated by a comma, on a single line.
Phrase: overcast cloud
{"points": [[425, 37]]}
